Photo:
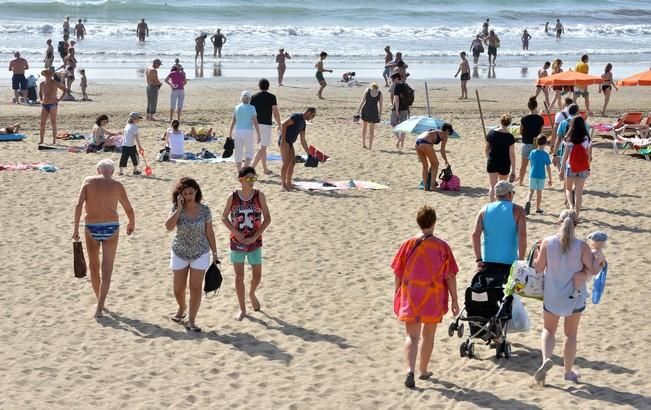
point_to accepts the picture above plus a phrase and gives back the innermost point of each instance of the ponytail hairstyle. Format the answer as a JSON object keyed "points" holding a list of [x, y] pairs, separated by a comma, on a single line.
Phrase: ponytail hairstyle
{"points": [[568, 220]]}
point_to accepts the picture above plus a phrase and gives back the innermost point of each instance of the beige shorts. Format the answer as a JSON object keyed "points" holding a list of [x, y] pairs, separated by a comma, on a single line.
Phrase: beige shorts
{"points": [[265, 134], [398, 116]]}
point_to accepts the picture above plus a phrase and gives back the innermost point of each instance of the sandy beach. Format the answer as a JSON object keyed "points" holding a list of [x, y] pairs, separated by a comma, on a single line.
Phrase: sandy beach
{"points": [[326, 336]]}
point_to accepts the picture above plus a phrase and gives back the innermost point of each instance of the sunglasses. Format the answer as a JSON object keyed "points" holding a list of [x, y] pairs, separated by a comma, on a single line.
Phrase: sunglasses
{"points": [[249, 179]]}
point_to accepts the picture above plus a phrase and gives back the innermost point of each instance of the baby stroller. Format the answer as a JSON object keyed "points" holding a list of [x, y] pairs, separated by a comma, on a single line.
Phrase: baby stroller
{"points": [[487, 311]]}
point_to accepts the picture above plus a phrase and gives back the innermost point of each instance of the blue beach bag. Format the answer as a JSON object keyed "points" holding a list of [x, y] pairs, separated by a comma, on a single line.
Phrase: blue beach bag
{"points": [[599, 284]]}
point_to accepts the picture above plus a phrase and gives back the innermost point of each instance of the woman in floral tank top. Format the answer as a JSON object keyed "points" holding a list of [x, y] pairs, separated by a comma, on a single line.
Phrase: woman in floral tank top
{"points": [[246, 216], [193, 242]]}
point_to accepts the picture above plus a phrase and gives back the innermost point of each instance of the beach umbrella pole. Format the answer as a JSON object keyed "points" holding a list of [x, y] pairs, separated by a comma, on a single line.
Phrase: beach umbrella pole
{"points": [[429, 112], [481, 115]]}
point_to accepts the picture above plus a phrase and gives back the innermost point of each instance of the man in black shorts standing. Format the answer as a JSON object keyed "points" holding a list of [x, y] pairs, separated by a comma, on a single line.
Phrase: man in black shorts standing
{"points": [[266, 107], [18, 66], [464, 69]]}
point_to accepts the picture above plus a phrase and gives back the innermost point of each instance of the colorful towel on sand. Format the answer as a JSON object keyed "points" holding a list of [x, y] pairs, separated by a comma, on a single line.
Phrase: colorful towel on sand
{"points": [[602, 127], [22, 166], [12, 137], [338, 185]]}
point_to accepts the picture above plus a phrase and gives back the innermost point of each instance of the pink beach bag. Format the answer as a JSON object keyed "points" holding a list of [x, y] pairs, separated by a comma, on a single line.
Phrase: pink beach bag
{"points": [[454, 184]]}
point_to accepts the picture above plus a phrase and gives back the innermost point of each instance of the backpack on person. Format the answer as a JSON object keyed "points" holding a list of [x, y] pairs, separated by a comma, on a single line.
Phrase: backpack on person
{"points": [[407, 97], [579, 160]]}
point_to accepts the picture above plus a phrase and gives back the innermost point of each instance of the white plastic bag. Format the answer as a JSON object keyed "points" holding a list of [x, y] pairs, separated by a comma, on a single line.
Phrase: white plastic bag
{"points": [[519, 316]]}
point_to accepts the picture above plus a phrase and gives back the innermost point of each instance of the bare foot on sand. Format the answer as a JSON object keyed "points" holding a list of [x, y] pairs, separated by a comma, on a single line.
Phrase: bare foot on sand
{"points": [[240, 315], [254, 302]]}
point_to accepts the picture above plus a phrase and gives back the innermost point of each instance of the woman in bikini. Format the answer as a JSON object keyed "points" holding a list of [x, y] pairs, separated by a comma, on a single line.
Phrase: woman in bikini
{"points": [[558, 89], [426, 155], [607, 86]]}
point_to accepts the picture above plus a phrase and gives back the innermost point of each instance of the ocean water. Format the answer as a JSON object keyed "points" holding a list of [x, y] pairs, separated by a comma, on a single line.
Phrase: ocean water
{"points": [[430, 33]]}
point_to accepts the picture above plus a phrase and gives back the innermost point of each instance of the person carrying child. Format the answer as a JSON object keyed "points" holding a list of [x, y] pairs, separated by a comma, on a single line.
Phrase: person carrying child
{"points": [[539, 160], [129, 144], [597, 242]]}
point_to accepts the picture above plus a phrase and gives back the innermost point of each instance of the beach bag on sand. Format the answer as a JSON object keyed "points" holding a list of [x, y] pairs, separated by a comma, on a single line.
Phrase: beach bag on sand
{"points": [[164, 155], [519, 317], [213, 279], [454, 184], [79, 260], [446, 173], [312, 161]]}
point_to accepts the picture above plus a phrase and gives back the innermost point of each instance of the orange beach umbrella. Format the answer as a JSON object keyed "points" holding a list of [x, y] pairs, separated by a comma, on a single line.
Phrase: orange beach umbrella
{"points": [[643, 78], [572, 78]]}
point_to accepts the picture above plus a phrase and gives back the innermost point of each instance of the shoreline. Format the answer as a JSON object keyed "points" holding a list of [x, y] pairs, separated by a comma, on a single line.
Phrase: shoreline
{"points": [[365, 71]]}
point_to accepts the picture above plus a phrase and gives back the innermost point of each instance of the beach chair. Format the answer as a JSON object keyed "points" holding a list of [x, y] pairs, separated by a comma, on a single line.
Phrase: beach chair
{"points": [[548, 122]]}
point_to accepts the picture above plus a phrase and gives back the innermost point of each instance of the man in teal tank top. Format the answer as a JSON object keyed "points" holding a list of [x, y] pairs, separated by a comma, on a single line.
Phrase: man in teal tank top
{"points": [[500, 234]]}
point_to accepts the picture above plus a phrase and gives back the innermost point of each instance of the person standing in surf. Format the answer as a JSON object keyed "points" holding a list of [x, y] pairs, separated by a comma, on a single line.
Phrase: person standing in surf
{"points": [[199, 46], [559, 28], [142, 30], [218, 40]]}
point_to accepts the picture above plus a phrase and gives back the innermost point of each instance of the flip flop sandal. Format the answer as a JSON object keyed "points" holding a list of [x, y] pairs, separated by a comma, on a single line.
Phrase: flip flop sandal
{"points": [[192, 328], [178, 319]]}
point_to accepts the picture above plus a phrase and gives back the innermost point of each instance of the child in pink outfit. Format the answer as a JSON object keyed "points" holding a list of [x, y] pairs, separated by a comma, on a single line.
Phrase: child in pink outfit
{"points": [[425, 273]]}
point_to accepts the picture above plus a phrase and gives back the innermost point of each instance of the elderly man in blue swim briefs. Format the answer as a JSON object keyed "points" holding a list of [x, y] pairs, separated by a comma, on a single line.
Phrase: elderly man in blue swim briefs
{"points": [[101, 194]]}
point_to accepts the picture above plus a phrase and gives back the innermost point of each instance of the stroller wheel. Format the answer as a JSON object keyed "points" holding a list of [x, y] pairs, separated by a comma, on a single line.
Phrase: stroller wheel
{"points": [[506, 347], [498, 350], [460, 331], [451, 329], [471, 350], [462, 349]]}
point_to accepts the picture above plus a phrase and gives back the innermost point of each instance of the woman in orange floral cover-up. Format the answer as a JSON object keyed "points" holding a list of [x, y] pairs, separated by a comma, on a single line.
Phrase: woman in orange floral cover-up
{"points": [[425, 273]]}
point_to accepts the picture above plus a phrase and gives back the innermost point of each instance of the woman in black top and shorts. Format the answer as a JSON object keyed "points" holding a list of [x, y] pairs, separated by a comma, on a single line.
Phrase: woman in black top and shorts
{"points": [[500, 154], [530, 127]]}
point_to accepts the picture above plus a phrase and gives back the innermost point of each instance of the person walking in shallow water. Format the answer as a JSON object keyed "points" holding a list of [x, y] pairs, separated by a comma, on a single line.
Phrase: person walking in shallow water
{"points": [[100, 195], [142, 30]]}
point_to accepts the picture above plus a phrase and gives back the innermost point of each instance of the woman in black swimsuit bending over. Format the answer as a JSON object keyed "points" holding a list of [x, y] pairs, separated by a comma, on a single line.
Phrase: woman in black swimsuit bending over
{"points": [[607, 86], [426, 155]]}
